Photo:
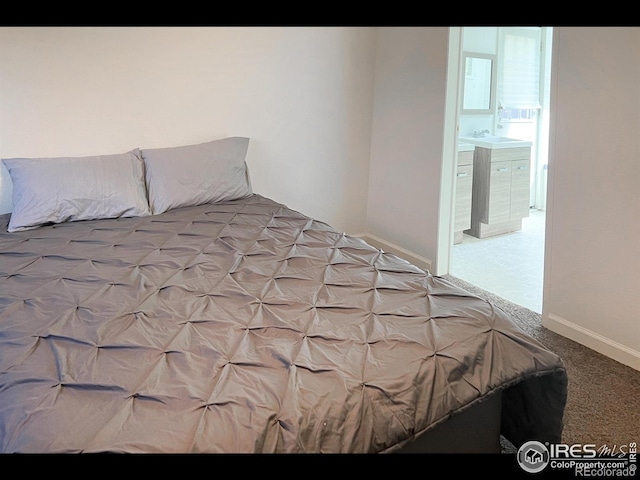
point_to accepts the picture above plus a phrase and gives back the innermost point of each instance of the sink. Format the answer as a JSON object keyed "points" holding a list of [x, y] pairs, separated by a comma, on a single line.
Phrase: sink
{"points": [[491, 141]]}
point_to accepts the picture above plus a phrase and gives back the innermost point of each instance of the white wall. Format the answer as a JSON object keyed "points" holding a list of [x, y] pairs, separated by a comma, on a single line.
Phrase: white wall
{"points": [[303, 95], [592, 257], [407, 137]]}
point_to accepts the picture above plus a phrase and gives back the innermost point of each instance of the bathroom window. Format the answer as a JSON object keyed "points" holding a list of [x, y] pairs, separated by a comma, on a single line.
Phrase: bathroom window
{"points": [[519, 71]]}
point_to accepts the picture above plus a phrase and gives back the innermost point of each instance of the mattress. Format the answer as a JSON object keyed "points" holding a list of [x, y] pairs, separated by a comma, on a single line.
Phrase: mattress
{"points": [[247, 327]]}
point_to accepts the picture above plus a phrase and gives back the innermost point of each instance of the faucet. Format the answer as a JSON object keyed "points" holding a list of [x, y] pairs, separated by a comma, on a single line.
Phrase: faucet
{"points": [[477, 134]]}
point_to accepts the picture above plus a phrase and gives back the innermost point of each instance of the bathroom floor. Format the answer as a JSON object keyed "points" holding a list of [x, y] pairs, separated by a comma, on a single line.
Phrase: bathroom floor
{"points": [[509, 265]]}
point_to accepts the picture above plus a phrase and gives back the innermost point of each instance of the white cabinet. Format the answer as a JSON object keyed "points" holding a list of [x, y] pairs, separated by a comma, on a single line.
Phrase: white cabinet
{"points": [[500, 198]]}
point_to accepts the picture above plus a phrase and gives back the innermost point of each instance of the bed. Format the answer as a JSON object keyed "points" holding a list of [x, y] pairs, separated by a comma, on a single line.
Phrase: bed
{"points": [[185, 313]]}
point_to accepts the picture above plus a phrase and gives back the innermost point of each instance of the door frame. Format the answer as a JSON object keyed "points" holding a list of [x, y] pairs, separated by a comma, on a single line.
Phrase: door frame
{"points": [[450, 140], [449, 153]]}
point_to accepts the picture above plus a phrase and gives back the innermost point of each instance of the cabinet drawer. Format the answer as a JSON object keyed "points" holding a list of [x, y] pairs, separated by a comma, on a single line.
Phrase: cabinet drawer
{"points": [[503, 154], [465, 158]]}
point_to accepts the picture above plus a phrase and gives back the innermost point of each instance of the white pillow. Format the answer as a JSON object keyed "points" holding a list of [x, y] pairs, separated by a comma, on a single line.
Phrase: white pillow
{"points": [[55, 190], [196, 174]]}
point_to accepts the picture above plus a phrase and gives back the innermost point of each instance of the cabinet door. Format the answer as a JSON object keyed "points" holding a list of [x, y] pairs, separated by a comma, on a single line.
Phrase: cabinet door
{"points": [[464, 184], [499, 193], [520, 185]]}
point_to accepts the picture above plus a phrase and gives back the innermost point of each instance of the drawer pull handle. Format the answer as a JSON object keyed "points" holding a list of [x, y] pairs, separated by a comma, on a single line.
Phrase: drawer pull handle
{"points": [[503, 169], [521, 168], [463, 174]]}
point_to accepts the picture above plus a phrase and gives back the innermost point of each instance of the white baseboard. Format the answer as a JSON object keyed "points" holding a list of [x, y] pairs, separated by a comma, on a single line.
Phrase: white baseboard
{"points": [[418, 260], [593, 340]]}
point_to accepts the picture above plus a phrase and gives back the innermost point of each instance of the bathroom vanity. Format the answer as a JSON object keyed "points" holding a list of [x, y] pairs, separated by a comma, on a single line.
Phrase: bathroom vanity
{"points": [[501, 185]]}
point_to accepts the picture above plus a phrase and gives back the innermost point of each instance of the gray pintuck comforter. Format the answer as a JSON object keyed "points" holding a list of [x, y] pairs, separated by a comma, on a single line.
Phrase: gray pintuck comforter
{"points": [[246, 327]]}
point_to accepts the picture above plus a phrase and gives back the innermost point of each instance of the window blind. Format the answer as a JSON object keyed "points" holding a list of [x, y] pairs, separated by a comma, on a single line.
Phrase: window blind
{"points": [[519, 68]]}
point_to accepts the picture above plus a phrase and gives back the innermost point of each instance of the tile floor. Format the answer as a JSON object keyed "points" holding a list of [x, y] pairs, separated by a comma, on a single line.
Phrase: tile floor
{"points": [[509, 265]]}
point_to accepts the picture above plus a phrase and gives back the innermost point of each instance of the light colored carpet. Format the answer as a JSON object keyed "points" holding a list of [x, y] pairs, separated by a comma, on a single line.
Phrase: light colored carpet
{"points": [[603, 404]]}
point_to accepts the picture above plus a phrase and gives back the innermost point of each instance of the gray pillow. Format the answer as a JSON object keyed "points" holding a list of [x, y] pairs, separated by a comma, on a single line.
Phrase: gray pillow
{"points": [[196, 174], [55, 190]]}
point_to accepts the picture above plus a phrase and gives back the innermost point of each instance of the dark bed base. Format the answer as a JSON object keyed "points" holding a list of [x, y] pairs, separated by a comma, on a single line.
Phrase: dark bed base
{"points": [[474, 430]]}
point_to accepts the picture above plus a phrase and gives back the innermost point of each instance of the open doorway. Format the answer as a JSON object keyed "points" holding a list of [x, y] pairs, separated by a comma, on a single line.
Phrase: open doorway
{"points": [[507, 257]]}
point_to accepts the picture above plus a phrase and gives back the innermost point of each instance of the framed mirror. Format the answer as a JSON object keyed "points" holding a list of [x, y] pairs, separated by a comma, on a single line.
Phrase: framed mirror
{"points": [[478, 85]]}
